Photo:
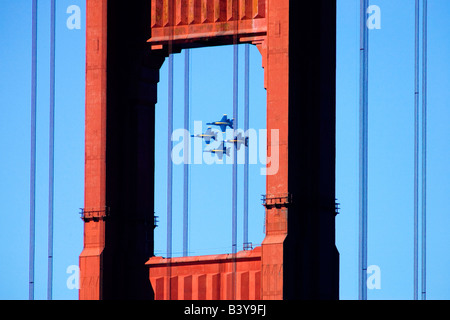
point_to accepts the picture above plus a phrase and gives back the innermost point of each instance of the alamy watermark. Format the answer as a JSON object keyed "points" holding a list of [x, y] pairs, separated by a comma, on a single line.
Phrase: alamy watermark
{"points": [[374, 277], [374, 19], [74, 20], [373, 280], [221, 147], [73, 281]]}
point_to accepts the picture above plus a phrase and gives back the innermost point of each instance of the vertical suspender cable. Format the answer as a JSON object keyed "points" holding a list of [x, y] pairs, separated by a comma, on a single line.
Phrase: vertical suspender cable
{"points": [[189, 167], [235, 126], [51, 152], [186, 154], [33, 148], [234, 195], [169, 164], [246, 128], [416, 147], [169, 154], [363, 152], [424, 141]]}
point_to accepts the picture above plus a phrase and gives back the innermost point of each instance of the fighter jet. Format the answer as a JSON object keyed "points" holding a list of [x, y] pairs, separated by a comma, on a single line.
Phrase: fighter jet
{"points": [[239, 141], [207, 136], [220, 151], [223, 123]]}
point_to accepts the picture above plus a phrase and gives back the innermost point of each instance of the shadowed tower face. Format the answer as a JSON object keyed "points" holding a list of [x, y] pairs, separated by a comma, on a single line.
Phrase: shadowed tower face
{"points": [[126, 45]]}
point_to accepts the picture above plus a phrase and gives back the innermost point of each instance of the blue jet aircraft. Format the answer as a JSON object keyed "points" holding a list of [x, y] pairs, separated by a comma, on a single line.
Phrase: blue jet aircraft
{"points": [[220, 151], [207, 136], [239, 140], [223, 123]]}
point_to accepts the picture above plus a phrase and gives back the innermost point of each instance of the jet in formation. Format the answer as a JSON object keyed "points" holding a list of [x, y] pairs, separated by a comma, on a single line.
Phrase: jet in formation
{"points": [[220, 151], [239, 140], [207, 136], [223, 123]]}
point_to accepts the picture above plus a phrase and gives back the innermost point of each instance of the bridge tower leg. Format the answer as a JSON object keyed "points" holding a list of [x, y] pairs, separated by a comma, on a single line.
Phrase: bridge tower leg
{"points": [[299, 257], [121, 77]]}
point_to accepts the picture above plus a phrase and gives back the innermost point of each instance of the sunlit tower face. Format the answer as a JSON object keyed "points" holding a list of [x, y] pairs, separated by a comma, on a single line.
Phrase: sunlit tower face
{"points": [[123, 73]]}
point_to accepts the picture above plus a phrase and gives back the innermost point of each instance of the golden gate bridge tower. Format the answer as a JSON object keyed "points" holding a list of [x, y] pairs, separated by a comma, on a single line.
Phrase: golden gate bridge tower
{"points": [[126, 45]]}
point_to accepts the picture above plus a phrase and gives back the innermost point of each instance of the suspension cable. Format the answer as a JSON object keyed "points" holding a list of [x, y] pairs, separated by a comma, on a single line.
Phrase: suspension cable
{"points": [[51, 151], [363, 151], [234, 187], [186, 154], [416, 148], [235, 126], [169, 159], [424, 141], [246, 128], [33, 149]]}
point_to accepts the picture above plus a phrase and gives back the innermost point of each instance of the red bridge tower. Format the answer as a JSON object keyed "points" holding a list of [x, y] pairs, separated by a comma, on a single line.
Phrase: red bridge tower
{"points": [[126, 44]]}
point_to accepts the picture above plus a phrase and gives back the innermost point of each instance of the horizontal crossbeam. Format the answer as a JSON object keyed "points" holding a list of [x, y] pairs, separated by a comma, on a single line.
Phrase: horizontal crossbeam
{"points": [[201, 20]]}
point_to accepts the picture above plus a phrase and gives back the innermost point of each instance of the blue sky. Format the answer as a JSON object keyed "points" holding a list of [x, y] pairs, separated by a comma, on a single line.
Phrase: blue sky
{"points": [[391, 133]]}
